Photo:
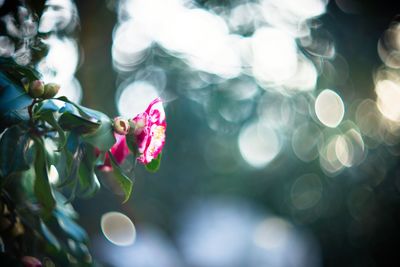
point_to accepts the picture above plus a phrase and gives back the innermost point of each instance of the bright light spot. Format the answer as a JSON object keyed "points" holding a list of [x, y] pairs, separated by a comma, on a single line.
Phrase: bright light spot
{"points": [[389, 47], [356, 148], [152, 248], [388, 99], [53, 175], [328, 158], [305, 142], [58, 15], [60, 63], [329, 108], [118, 228], [127, 51], [72, 90], [344, 151], [197, 36], [306, 191], [245, 17], [272, 233], [305, 77], [276, 111], [258, 145], [135, 98], [274, 56], [291, 15], [209, 225]]}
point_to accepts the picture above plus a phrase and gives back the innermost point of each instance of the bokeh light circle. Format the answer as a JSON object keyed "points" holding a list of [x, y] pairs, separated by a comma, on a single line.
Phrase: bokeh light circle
{"points": [[329, 108], [135, 98], [118, 228], [258, 145]]}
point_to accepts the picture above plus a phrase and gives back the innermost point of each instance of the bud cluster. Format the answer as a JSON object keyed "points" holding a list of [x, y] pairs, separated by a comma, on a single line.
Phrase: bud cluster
{"points": [[38, 89]]}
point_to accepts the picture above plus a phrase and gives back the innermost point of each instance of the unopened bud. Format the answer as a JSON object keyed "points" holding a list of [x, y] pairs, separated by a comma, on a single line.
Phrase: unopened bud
{"points": [[138, 124], [50, 90], [36, 88], [121, 126], [29, 261]]}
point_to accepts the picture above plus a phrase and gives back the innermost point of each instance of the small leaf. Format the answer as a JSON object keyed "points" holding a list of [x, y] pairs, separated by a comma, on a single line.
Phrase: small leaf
{"points": [[42, 186], [14, 144], [123, 180], [154, 165], [71, 122]]}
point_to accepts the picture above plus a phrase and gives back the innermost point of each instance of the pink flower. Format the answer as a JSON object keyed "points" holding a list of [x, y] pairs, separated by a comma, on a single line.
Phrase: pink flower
{"points": [[119, 150], [149, 131]]}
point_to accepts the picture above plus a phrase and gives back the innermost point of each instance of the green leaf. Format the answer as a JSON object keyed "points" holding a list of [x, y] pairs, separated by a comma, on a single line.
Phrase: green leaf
{"points": [[49, 235], [89, 184], [14, 144], [73, 160], [16, 71], [103, 138], [84, 112], [154, 165], [123, 180], [42, 187], [13, 117], [80, 251], [49, 117], [46, 105], [72, 122], [70, 227], [12, 95], [132, 145]]}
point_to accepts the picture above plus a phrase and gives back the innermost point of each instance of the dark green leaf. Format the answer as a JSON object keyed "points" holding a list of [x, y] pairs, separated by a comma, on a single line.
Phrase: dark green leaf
{"points": [[16, 71], [12, 96], [86, 113], [123, 180], [154, 165], [70, 227], [73, 160], [72, 122], [103, 138], [131, 143], [13, 117], [49, 117], [13, 147], [49, 235], [79, 250], [42, 188], [89, 184]]}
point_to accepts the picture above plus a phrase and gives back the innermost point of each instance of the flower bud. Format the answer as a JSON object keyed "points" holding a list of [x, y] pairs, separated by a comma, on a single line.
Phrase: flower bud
{"points": [[50, 90], [29, 261], [36, 88], [138, 124], [121, 126]]}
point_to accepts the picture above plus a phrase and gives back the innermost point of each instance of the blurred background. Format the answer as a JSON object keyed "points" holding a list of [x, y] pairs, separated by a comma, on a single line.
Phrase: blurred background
{"points": [[283, 127]]}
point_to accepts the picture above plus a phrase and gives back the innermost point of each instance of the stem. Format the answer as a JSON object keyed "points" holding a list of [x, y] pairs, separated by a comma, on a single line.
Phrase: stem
{"points": [[30, 108]]}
